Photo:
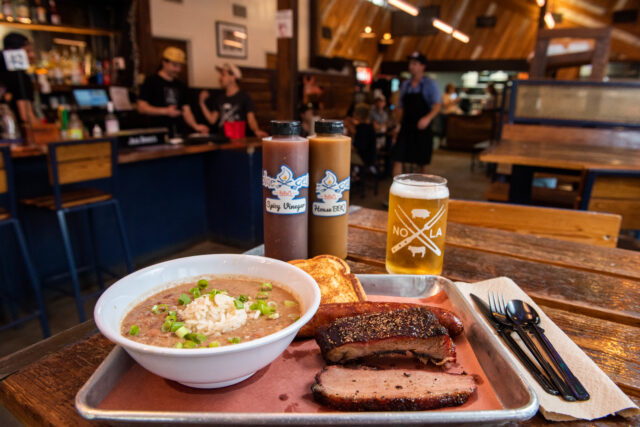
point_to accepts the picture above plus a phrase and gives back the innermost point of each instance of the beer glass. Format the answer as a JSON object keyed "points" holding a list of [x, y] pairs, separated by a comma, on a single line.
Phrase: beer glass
{"points": [[417, 224]]}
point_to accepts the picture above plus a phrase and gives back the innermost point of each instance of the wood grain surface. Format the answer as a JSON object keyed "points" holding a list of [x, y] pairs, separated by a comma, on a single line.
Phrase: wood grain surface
{"points": [[599, 310], [562, 155]]}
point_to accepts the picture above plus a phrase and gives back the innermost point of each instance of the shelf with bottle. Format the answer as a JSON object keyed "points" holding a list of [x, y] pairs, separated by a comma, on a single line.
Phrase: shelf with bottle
{"points": [[40, 17], [64, 68]]}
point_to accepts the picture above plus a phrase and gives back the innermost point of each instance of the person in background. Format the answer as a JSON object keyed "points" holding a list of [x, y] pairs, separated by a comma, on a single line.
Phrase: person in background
{"points": [[306, 119], [17, 89], [234, 105], [383, 126], [378, 115], [419, 104], [492, 100], [364, 138], [450, 100], [163, 96]]}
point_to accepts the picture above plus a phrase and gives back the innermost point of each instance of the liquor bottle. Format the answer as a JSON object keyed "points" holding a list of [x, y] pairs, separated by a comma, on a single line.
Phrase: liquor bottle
{"points": [[76, 129], [111, 124], [22, 12], [7, 11], [41, 12], [54, 17]]}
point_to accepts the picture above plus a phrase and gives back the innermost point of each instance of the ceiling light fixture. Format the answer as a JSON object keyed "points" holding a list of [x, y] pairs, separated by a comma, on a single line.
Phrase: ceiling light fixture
{"points": [[367, 33], [460, 36], [548, 19], [405, 7], [442, 26], [540, 3], [386, 39]]}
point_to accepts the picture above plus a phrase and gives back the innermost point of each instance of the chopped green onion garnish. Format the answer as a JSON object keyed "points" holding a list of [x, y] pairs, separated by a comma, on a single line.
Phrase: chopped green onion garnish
{"points": [[288, 303], [214, 344], [171, 318], [262, 307], [172, 313], [266, 287], [273, 316], [203, 284], [166, 326], [134, 330], [159, 308], [184, 299], [175, 326], [190, 344], [178, 345], [239, 304], [195, 292], [198, 338], [182, 331], [262, 295], [243, 298], [234, 340], [214, 292]]}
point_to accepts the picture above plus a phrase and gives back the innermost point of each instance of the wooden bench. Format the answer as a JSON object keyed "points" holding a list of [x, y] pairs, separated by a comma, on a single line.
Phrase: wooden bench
{"points": [[579, 226], [616, 192]]}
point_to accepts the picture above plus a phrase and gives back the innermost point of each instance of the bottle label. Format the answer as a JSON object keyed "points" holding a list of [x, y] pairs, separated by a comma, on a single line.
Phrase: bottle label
{"points": [[329, 190], [285, 187]]}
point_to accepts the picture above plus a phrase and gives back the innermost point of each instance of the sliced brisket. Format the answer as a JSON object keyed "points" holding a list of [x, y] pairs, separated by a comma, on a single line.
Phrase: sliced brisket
{"points": [[415, 330], [366, 389]]}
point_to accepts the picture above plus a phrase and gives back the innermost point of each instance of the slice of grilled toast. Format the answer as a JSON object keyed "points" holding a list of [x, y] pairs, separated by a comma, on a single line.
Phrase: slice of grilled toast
{"points": [[334, 278]]}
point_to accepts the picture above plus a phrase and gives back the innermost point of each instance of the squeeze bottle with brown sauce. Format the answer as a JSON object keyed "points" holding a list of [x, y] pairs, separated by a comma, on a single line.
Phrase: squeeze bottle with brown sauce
{"points": [[285, 187], [329, 173]]}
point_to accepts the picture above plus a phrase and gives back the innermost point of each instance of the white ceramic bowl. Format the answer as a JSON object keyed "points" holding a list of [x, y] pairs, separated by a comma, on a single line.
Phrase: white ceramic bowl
{"points": [[205, 367]]}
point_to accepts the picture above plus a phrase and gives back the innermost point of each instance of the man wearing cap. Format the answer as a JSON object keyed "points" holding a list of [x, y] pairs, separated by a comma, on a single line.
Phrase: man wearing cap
{"points": [[163, 96], [234, 105], [419, 104]]}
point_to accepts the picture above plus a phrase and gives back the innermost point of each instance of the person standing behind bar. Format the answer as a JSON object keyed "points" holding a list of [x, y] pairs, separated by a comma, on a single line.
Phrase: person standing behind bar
{"points": [[419, 104], [234, 105], [163, 96], [18, 89]]}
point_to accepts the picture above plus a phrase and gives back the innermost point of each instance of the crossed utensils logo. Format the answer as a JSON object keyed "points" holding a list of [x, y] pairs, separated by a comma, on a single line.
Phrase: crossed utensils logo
{"points": [[417, 232]]}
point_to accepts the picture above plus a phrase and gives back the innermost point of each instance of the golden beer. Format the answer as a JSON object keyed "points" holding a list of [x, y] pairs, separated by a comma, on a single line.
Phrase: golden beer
{"points": [[417, 224]]}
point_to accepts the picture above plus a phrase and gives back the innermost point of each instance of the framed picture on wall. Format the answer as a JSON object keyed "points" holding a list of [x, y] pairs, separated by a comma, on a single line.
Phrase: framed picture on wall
{"points": [[231, 40]]}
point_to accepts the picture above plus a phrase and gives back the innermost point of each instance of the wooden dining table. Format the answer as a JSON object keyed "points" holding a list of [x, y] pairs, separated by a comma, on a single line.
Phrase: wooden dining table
{"points": [[572, 156], [591, 292]]}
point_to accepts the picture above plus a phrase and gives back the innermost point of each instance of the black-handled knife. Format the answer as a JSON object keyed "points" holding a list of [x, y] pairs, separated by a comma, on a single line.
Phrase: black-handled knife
{"points": [[522, 356]]}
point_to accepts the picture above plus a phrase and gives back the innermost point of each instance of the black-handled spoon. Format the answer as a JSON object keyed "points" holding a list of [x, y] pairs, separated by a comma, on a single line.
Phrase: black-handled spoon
{"points": [[530, 316], [518, 323]]}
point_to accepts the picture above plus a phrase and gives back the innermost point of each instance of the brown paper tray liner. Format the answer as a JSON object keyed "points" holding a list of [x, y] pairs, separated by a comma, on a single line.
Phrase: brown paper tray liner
{"points": [[282, 386]]}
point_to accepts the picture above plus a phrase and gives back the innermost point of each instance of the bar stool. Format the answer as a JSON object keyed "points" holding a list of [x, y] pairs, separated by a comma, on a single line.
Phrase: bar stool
{"points": [[8, 217], [78, 163]]}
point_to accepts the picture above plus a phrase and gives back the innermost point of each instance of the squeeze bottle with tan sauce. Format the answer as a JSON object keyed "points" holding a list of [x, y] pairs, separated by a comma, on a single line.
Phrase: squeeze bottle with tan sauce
{"points": [[329, 183], [285, 187]]}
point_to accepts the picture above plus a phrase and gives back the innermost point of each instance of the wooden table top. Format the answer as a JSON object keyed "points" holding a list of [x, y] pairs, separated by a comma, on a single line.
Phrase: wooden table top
{"points": [[151, 152], [591, 292], [564, 155]]}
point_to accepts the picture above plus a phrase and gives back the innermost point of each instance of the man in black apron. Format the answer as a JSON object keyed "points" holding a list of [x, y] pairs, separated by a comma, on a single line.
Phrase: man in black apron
{"points": [[419, 104]]}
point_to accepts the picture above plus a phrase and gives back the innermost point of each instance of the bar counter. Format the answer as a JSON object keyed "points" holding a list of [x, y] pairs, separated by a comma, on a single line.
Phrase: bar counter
{"points": [[172, 197]]}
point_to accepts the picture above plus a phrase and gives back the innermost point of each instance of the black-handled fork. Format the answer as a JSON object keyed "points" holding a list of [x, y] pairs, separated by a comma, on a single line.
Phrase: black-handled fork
{"points": [[498, 308]]}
